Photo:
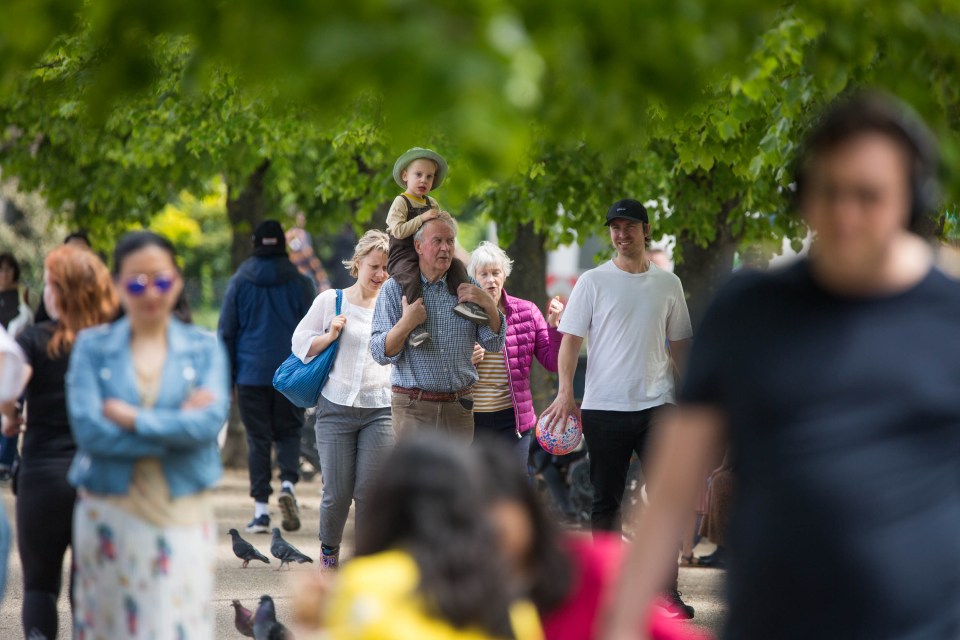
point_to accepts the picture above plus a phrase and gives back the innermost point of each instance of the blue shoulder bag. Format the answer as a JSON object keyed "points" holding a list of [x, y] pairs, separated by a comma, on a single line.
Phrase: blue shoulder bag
{"points": [[301, 383]]}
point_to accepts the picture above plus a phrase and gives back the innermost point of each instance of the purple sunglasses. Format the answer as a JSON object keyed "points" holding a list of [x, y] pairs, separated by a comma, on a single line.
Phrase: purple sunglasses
{"points": [[137, 285]]}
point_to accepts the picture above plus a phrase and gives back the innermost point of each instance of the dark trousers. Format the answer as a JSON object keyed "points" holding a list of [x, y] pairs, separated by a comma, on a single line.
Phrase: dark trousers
{"points": [[8, 450], [44, 529], [269, 418], [544, 463], [403, 265], [612, 438], [502, 427]]}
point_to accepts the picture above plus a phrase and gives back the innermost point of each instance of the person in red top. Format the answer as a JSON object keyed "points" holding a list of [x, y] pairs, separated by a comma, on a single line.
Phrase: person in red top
{"points": [[566, 576]]}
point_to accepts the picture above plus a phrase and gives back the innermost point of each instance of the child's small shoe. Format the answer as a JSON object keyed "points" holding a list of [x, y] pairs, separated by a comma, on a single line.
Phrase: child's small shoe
{"points": [[329, 561], [418, 337], [472, 311]]}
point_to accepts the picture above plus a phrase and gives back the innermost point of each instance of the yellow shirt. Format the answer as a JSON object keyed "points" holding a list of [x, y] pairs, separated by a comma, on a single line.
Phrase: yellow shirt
{"points": [[376, 598]]}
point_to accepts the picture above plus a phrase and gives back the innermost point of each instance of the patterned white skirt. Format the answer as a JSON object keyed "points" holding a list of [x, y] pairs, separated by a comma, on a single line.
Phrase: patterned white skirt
{"points": [[136, 580]]}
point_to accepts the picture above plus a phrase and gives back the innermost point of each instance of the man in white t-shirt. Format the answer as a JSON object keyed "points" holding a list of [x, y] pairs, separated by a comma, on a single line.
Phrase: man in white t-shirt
{"points": [[635, 319]]}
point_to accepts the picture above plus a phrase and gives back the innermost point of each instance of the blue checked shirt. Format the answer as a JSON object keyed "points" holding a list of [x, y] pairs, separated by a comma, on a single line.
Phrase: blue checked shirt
{"points": [[443, 363]]}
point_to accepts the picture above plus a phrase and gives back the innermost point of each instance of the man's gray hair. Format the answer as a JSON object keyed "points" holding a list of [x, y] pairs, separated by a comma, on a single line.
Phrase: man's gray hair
{"points": [[443, 217], [488, 253]]}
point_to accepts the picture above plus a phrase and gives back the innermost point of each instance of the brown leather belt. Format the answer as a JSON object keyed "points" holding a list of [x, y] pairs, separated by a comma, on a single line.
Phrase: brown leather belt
{"points": [[432, 396]]}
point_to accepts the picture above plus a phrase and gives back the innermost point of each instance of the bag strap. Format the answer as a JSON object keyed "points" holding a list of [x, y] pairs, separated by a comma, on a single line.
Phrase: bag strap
{"points": [[339, 299]]}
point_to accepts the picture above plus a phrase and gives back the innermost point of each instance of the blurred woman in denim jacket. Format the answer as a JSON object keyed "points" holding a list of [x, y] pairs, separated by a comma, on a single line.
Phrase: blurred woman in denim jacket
{"points": [[147, 396]]}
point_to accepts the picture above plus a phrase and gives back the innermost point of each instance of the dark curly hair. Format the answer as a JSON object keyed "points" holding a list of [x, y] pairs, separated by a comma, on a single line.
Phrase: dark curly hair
{"points": [[429, 501], [549, 568]]}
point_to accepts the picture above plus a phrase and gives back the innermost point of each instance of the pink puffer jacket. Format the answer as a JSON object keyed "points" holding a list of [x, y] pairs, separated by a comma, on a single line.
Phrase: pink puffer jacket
{"points": [[527, 336]]}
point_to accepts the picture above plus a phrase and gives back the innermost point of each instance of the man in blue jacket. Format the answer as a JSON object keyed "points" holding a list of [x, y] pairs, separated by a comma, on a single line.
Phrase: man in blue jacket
{"points": [[265, 300]]}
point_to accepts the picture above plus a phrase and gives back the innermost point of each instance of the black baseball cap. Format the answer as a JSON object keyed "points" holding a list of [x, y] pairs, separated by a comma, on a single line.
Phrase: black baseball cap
{"points": [[627, 209], [268, 238]]}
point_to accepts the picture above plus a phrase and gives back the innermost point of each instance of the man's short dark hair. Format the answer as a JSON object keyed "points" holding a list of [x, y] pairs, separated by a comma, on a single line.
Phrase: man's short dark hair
{"points": [[870, 112]]}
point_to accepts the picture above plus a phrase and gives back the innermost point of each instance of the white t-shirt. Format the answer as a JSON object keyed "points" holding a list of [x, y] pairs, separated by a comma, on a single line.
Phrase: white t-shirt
{"points": [[356, 379], [627, 319]]}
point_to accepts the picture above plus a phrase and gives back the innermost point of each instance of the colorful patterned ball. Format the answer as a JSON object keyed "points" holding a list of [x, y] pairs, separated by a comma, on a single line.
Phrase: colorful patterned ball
{"points": [[562, 442]]}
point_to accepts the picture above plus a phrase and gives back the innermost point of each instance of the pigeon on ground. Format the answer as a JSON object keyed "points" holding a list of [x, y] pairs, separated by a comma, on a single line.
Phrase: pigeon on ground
{"points": [[286, 552], [244, 550], [265, 625], [242, 619]]}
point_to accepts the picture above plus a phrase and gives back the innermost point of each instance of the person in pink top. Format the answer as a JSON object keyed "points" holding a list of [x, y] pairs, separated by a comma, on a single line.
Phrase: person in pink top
{"points": [[503, 402], [567, 577]]}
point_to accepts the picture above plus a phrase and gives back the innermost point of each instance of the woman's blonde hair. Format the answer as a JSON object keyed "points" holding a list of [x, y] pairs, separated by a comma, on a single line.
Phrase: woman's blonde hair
{"points": [[85, 294], [489, 253], [373, 240]]}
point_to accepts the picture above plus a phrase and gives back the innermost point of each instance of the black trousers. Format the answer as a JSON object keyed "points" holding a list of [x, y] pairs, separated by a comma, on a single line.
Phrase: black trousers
{"points": [[269, 418], [44, 530], [612, 438], [500, 425]]}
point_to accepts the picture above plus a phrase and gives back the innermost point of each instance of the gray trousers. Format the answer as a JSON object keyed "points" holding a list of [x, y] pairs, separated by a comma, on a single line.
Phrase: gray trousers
{"points": [[412, 416], [352, 443]]}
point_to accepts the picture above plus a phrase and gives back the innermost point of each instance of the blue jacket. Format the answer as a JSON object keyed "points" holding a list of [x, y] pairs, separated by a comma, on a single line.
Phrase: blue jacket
{"points": [[185, 442], [265, 300]]}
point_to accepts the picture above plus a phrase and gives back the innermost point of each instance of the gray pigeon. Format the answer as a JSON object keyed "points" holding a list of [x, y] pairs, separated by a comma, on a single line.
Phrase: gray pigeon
{"points": [[244, 550], [242, 619], [265, 625], [286, 552]]}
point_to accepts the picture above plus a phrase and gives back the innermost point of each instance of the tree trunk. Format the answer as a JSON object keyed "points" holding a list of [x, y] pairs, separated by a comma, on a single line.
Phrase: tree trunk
{"points": [[703, 269], [245, 211], [529, 281]]}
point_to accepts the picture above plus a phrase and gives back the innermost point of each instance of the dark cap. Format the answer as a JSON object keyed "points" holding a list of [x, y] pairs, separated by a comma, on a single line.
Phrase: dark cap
{"points": [[627, 209], [269, 237]]}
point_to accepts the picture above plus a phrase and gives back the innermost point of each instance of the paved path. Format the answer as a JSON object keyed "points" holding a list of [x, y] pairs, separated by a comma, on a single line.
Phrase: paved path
{"points": [[700, 587]]}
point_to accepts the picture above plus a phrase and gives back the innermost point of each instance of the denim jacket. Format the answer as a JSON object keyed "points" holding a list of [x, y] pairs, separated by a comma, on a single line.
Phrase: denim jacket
{"points": [[185, 442]]}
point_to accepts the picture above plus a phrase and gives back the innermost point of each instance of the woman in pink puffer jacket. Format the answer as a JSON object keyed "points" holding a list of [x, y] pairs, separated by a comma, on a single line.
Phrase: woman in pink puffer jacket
{"points": [[503, 403]]}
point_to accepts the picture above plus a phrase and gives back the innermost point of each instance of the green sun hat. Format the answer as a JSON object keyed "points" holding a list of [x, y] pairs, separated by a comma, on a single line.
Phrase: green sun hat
{"points": [[416, 154]]}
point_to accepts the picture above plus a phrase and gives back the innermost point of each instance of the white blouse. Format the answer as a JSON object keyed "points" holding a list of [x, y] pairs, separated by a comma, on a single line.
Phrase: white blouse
{"points": [[356, 380]]}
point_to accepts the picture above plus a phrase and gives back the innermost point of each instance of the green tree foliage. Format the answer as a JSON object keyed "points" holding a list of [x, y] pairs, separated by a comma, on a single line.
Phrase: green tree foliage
{"points": [[29, 229], [199, 230], [477, 68], [109, 170], [117, 105], [722, 167]]}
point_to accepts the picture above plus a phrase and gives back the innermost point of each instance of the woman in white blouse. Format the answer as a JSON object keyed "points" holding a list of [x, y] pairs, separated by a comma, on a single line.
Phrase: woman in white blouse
{"points": [[354, 428]]}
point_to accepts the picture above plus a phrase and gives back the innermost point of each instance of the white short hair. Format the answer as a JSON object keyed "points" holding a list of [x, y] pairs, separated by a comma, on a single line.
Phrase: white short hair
{"points": [[443, 217], [489, 253]]}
